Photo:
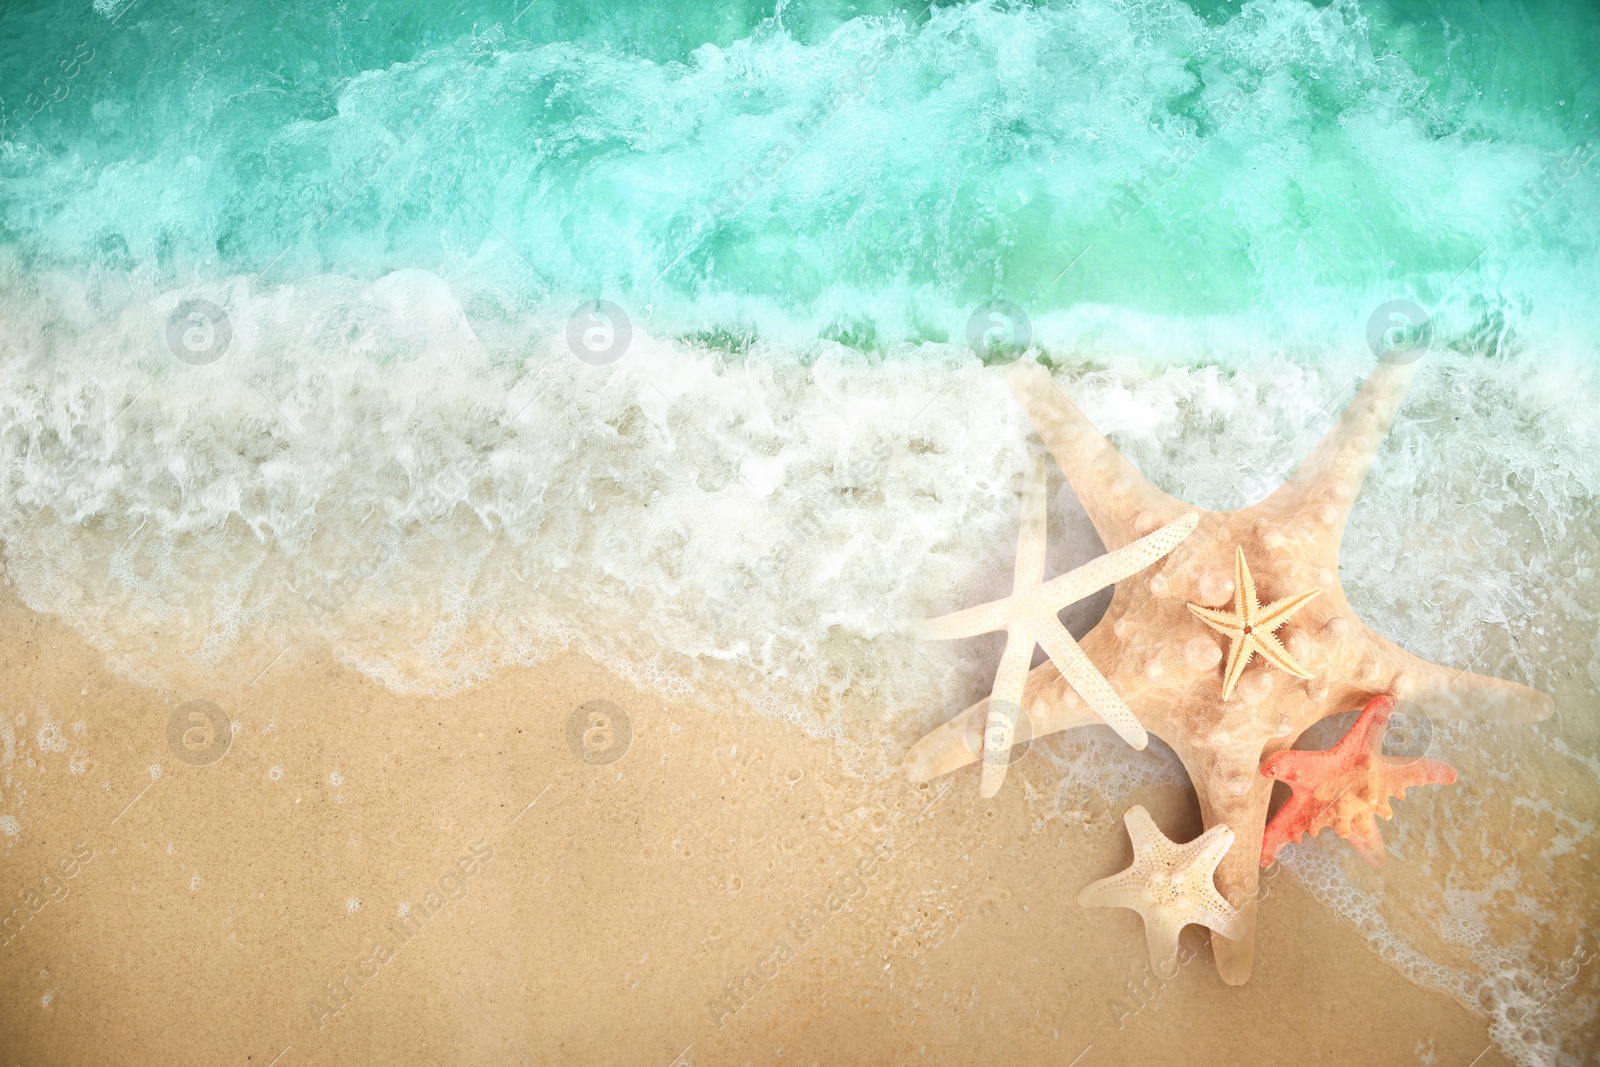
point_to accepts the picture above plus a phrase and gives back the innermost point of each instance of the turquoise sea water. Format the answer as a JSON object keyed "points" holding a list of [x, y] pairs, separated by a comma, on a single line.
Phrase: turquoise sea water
{"points": [[299, 355], [866, 172]]}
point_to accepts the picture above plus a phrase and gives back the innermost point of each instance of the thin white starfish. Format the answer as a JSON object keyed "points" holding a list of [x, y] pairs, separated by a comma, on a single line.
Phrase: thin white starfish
{"points": [[1170, 886], [1029, 617]]}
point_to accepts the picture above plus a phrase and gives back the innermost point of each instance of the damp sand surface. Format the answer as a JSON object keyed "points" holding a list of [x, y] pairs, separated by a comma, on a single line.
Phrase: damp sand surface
{"points": [[368, 878]]}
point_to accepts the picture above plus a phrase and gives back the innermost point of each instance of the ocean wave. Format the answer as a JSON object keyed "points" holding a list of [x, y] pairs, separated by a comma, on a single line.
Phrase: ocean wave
{"points": [[868, 180], [287, 367]]}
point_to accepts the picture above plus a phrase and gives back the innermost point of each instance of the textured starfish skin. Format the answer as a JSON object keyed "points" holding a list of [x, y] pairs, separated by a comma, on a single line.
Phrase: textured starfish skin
{"points": [[1166, 664], [1250, 628], [1029, 617], [1170, 886], [1345, 786]]}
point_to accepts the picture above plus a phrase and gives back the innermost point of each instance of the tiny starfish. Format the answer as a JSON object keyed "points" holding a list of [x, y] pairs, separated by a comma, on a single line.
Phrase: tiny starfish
{"points": [[1159, 659], [1346, 785], [1250, 627], [1170, 886], [1029, 617]]}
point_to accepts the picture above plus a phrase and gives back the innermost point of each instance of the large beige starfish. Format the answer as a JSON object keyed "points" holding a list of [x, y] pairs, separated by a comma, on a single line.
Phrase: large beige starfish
{"points": [[1029, 616], [1170, 886], [1164, 663], [1250, 627]]}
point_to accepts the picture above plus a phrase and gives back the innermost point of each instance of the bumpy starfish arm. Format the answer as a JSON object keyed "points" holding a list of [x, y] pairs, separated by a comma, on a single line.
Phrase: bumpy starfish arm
{"points": [[1337, 466], [1089, 682], [1446, 693], [1117, 891], [1050, 708], [1216, 915], [1286, 826], [1423, 772], [1143, 833], [1238, 876], [1112, 491]]}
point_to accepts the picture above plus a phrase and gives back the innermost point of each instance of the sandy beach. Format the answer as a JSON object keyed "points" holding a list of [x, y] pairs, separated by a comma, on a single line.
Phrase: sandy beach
{"points": [[500, 503], [360, 878]]}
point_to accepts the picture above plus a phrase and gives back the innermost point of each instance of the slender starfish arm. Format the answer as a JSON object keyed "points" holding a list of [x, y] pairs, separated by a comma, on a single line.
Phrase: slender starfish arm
{"points": [[1239, 655], [1112, 491], [1010, 682], [1090, 684], [999, 614], [1114, 567], [1272, 650], [1046, 628], [1224, 622], [969, 622], [1279, 612], [1245, 601], [1051, 707], [1005, 705], [1327, 481]]}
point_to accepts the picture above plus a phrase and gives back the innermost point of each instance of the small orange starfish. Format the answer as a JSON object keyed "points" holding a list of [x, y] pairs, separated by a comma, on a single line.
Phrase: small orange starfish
{"points": [[1346, 785]]}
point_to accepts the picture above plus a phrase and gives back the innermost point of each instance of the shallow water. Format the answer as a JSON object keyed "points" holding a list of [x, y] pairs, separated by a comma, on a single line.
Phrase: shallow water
{"points": [[299, 360]]}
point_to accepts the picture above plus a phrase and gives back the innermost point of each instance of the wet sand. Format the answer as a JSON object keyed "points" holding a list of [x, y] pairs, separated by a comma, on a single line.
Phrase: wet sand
{"points": [[722, 893]]}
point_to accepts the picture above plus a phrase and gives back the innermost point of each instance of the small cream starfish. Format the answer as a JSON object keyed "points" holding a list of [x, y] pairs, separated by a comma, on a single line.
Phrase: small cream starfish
{"points": [[1170, 886], [1250, 627], [1029, 617]]}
